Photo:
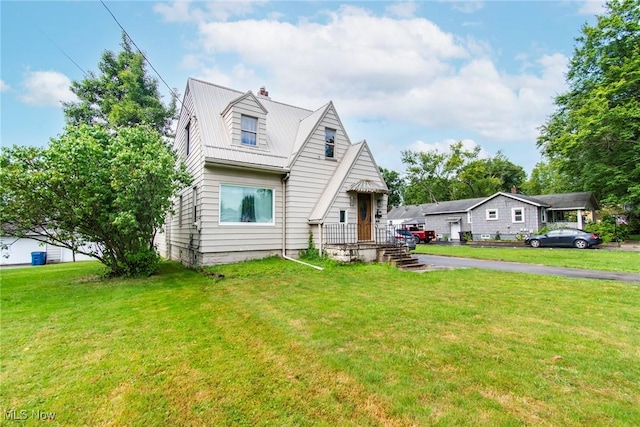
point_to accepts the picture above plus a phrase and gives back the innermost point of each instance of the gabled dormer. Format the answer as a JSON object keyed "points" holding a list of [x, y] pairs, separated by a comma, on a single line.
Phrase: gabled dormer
{"points": [[246, 122]]}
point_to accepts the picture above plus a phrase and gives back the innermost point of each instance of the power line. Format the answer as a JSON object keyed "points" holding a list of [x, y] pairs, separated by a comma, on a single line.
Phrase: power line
{"points": [[175, 95], [60, 49]]}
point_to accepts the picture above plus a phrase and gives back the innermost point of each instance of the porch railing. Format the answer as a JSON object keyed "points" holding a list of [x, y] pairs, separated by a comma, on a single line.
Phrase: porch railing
{"points": [[343, 234]]}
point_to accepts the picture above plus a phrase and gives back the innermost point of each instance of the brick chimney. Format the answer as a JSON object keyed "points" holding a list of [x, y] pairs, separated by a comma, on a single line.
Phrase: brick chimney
{"points": [[263, 92], [514, 190]]}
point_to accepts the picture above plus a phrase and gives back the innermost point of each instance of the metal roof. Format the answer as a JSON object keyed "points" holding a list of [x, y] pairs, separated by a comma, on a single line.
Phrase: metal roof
{"points": [[283, 123], [368, 186]]}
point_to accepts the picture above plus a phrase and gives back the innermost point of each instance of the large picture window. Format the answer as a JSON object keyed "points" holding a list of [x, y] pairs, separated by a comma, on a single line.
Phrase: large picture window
{"points": [[249, 130], [246, 204]]}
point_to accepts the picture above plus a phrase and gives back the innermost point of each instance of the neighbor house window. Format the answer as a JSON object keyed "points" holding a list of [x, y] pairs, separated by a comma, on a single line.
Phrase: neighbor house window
{"points": [[246, 204], [343, 216], [517, 214], [469, 218], [329, 143], [249, 129], [188, 136], [543, 215], [492, 214]]}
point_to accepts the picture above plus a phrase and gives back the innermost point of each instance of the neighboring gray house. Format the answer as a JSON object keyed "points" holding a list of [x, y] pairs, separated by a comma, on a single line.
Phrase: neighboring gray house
{"points": [[506, 214], [267, 175]]}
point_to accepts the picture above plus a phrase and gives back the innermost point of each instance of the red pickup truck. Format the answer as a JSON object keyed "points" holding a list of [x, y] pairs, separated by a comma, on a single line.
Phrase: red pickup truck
{"points": [[425, 236]]}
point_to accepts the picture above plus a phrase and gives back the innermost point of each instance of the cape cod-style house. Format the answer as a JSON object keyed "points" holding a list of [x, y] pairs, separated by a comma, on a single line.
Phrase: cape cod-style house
{"points": [[269, 179]]}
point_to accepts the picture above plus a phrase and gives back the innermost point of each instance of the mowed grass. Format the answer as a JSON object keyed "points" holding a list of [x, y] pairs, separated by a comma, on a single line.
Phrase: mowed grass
{"points": [[278, 343], [593, 259]]}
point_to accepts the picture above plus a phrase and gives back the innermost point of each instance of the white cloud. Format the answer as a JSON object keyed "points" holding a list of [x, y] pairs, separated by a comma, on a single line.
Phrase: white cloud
{"points": [[4, 87], [400, 70], [467, 6], [185, 11], [402, 9], [46, 89], [592, 7]]}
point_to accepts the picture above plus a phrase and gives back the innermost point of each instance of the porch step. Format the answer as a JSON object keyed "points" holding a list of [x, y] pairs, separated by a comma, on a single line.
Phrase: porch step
{"points": [[400, 258]]}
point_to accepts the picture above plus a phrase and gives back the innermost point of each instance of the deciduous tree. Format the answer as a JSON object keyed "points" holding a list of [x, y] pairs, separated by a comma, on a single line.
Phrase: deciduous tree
{"points": [[594, 135], [106, 188]]}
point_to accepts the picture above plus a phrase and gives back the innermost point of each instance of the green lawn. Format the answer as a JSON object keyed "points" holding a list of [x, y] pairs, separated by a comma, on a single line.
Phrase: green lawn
{"points": [[593, 259], [278, 343]]}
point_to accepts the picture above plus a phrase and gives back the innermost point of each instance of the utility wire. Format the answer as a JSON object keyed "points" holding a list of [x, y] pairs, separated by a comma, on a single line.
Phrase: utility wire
{"points": [[175, 95], [61, 50]]}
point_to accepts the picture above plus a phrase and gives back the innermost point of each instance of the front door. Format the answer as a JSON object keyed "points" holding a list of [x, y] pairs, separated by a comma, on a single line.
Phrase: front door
{"points": [[364, 217], [455, 231]]}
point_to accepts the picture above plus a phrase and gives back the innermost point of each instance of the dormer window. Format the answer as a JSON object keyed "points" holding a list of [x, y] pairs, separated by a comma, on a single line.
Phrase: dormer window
{"points": [[330, 143], [249, 126]]}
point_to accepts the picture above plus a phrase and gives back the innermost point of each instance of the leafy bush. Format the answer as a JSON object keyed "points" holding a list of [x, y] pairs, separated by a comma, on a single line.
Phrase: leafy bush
{"points": [[609, 230]]}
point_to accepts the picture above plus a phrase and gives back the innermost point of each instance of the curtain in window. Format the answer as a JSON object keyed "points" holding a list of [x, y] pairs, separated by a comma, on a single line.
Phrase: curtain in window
{"points": [[246, 204], [249, 130]]}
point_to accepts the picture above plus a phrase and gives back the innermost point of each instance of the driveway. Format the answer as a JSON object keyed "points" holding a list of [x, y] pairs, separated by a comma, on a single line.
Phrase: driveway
{"points": [[518, 267]]}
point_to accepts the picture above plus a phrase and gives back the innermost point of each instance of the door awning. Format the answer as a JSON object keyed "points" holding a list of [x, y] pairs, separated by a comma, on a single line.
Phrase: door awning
{"points": [[368, 186], [454, 219]]}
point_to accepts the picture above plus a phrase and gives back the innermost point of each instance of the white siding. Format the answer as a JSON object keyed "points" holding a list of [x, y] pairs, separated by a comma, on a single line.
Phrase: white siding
{"points": [[216, 237], [309, 176], [183, 238]]}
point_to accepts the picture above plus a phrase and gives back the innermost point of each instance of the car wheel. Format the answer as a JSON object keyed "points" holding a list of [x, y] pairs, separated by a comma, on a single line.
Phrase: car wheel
{"points": [[535, 243], [581, 244], [427, 240], [416, 239]]}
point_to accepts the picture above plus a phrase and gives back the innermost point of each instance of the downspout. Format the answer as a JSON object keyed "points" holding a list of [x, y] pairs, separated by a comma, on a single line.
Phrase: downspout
{"points": [[284, 226]]}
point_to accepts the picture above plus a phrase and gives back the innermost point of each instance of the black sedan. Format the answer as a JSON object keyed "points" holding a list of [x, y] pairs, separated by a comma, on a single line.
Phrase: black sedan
{"points": [[566, 237]]}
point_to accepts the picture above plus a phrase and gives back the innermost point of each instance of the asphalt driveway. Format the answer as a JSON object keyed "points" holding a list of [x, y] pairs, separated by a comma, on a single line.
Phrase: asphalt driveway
{"points": [[455, 262]]}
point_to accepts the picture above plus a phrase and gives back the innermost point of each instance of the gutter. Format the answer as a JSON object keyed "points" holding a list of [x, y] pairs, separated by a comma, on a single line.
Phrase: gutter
{"points": [[284, 226]]}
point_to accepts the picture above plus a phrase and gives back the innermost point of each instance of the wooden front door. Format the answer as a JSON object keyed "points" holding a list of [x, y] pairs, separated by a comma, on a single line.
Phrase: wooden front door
{"points": [[364, 217]]}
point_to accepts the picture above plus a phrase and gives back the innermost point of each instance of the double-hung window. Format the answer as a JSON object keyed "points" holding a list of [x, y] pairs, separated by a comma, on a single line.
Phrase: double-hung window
{"points": [[329, 143], [517, 214], [187, 130], [240, 205], [249, 128], [492, 214]]}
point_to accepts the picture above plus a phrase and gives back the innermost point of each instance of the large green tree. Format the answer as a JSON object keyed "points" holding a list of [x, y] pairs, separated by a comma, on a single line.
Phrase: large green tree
{"points": [[594, 135], [460, 173], [105, 185], [98, 191], [395, 184], [122, 94]]}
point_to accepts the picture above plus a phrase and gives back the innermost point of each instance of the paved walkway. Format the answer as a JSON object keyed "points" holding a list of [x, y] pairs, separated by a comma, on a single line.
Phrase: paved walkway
{"points": [[435, 261]]}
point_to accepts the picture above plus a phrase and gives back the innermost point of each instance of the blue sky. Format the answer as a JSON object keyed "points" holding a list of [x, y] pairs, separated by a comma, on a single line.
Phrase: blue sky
{"points": [[408, 75]]}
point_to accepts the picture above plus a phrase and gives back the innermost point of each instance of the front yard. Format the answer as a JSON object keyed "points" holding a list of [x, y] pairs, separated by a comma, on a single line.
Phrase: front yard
{"points": [[278, 343]]}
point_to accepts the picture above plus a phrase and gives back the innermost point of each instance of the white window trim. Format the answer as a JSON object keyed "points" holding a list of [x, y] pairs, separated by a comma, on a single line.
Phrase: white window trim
{"points": [[335, 134], [346, 216], [543, 217], [488, 212], [513, 215], [249, 131], [248, 224], [469, 217], [194, 204], [188, 138]]}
